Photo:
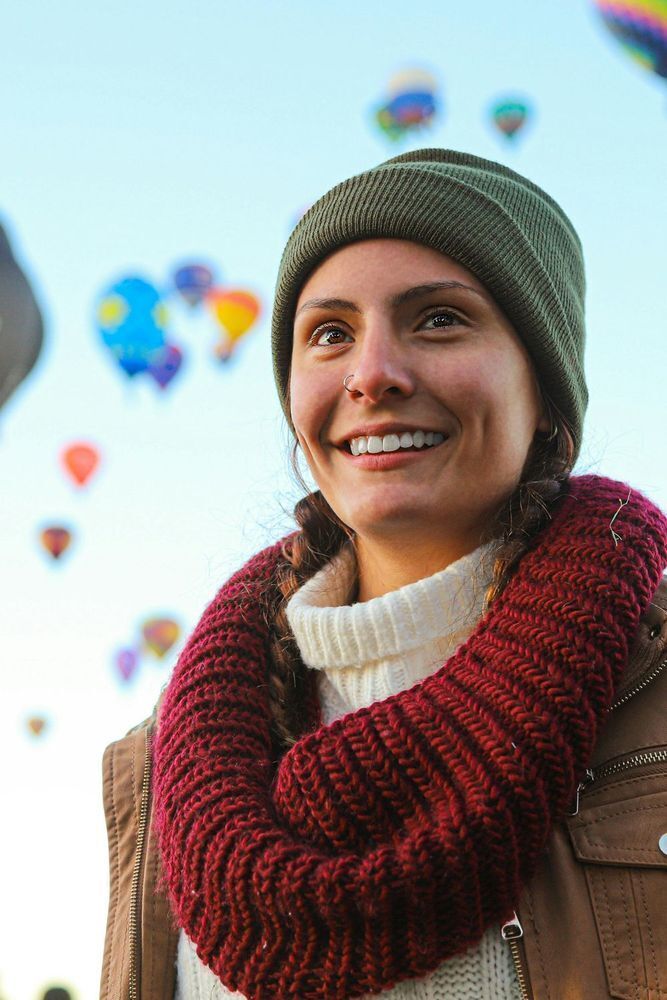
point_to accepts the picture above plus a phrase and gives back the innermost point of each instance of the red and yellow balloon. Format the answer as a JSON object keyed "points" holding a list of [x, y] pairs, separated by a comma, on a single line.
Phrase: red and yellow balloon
{"points": [[159, 635], [55, 540], [235, 310]]}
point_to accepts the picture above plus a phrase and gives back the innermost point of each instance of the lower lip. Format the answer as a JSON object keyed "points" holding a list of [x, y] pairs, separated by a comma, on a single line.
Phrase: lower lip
{"points": [[386, 460]]}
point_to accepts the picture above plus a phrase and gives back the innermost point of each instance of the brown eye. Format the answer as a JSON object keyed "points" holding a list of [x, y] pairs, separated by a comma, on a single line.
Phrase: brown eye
{"points": [[330, 335], [443, 318]]}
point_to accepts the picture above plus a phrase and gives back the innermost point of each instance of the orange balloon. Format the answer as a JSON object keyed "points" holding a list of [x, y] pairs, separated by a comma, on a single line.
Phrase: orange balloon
{"points": [[36, 725], [235, 310], [55, 540], [160, 634], [80, 461]]}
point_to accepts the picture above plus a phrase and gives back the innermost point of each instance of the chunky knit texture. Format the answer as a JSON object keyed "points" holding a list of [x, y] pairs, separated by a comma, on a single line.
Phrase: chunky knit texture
{"points": [[382, 844], [365, 652], [504, 228]]}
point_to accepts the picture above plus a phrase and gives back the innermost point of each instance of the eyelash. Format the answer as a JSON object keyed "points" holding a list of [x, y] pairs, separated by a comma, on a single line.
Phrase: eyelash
{"points": [[326, 328]]}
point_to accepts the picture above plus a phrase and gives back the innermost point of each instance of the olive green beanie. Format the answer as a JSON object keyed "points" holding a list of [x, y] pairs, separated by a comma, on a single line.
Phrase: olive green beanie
{"points": [[514, 237]]}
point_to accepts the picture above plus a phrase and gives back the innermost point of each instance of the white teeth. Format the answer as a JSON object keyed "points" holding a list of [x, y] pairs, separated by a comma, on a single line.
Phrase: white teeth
{"points": [[375, 444]]}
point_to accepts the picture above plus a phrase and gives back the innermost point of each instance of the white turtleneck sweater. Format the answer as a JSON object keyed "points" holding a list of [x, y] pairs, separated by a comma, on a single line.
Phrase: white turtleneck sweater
{"points": [[365, 653]]}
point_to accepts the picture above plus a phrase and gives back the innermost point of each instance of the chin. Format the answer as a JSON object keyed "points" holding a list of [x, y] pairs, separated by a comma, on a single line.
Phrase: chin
{"points": [[382, 519]]}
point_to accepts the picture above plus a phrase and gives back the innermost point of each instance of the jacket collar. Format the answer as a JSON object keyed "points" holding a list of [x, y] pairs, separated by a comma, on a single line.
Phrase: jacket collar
{"points": [[649, 649]]}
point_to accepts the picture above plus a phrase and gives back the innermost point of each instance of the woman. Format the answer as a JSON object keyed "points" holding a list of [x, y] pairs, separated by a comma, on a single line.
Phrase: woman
{"points": [[416, 748]]}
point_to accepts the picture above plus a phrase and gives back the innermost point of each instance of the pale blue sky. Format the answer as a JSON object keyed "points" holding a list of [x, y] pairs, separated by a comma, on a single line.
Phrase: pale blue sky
{"points": [[134, 136]]}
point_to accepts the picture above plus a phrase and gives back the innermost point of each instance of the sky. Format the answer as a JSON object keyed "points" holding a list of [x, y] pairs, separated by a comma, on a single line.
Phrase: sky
{"points": [[135, 137]]}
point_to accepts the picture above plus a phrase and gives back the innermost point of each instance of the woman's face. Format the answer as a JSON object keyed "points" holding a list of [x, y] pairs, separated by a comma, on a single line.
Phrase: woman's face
{"points": [[444, 401]]}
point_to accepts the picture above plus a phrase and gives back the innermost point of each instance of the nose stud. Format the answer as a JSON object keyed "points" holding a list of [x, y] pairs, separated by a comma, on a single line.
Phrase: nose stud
{"points": [[346, 380]]}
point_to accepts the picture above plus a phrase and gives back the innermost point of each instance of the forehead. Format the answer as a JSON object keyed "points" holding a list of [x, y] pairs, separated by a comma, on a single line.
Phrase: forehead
{"points": [[382, 266]]}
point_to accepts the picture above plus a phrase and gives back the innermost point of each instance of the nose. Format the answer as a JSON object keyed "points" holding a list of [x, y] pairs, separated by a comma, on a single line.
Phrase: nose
{"points": [[381, 365]]}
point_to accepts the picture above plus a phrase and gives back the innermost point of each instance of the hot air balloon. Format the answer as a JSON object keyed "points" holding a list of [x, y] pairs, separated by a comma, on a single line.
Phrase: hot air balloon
{"points": [[160, 634], [80, 461], [21, 326], [236, 310], [193, 281], [126, 662], [641, 28], [131, 318], [36, 724], [166, 364], [411, 105], [510, 115], [56, 540]]}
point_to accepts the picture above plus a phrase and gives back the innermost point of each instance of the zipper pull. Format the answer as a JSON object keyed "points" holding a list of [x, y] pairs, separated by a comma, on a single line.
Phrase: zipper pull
{"points": [[512, 929], [588, 777], [512, 932]]}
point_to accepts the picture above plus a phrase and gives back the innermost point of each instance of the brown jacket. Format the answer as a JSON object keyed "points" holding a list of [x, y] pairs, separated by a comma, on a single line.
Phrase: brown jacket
{"points": [[591, 925]]}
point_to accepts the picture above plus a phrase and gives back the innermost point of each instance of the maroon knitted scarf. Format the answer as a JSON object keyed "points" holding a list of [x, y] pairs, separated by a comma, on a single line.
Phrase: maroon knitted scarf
{"points": [[388, 841]]}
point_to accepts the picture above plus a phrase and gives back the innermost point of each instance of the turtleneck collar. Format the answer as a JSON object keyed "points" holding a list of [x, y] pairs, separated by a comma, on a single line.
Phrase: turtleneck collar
{"points": [[332, 633]]}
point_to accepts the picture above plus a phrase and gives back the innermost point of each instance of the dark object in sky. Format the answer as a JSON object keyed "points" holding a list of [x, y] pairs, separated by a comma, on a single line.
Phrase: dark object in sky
{"points": [[21, 325]]}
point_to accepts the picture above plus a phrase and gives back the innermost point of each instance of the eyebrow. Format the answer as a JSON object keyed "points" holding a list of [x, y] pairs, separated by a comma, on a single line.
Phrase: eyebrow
{"points": [[417, 291]]}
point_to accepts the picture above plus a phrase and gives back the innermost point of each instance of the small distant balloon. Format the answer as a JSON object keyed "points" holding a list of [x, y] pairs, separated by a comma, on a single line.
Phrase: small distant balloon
{"points": [[193, 281], [36, 725], [412, 104], [126, 662], [56, 540], [160, 634], [235, 309], [131, 318], [510, 116], [166, 364], [640, 26], [80, 461]]}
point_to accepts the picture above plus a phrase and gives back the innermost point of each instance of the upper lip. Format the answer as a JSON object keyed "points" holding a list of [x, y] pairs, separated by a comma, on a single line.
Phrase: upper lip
{"points": [[379, 430]]}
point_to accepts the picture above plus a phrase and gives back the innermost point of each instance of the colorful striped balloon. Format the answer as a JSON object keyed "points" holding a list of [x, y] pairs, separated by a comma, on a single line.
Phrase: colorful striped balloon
{"points": [[641, 28], [509, 116]]}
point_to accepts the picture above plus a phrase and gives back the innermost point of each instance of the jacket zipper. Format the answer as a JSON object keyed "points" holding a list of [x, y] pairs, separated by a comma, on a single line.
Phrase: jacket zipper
{"points": [[641, 759], [644, 682], [512, 932], [137, 871]]}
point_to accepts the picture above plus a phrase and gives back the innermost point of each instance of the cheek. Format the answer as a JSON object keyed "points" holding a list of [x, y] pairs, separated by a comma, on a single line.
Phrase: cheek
{"points": [[501, 392], [309, 405]]}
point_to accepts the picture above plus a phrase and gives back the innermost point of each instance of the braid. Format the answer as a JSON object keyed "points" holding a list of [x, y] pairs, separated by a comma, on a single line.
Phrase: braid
{"points": [[321, 534]]}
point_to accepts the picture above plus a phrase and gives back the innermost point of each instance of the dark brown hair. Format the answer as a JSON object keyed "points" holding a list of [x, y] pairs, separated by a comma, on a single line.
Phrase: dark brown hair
{"points": [[321, 534]]}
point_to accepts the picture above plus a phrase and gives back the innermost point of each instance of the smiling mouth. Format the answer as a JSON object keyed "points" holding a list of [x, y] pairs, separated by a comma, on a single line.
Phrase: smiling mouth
{"points": [[407, 441]]}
